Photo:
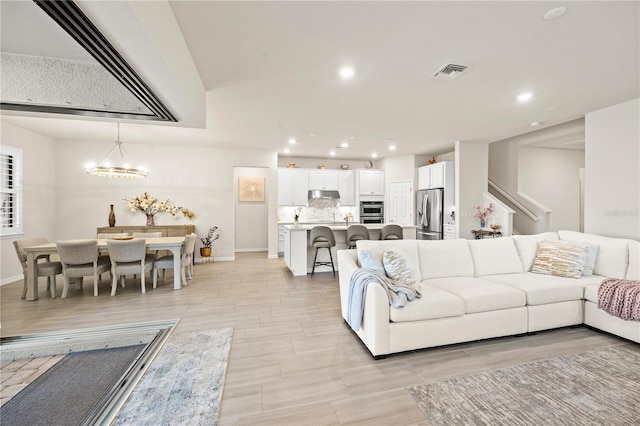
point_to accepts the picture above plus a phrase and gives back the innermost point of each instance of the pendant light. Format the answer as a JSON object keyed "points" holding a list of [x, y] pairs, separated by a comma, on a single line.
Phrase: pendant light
{"points": [[106, 168]]}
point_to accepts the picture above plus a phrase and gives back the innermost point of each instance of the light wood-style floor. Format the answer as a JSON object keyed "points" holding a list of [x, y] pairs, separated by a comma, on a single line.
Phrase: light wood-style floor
{"points": [[293, 360]]}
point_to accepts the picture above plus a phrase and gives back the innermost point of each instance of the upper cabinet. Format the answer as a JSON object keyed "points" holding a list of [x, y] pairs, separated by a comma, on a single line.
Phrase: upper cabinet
{"points": [[438, 175], [292, 187], [347, 188], [294, 184], [324, 179], [371, 182]]}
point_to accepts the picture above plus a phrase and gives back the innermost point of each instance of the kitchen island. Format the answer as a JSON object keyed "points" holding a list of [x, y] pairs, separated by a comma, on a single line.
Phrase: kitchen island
{"points": [[298, 254]]}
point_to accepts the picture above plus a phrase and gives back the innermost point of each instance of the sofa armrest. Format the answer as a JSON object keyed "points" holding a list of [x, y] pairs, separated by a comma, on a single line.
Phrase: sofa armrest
{"points": [[374, 331], [347, 265]]}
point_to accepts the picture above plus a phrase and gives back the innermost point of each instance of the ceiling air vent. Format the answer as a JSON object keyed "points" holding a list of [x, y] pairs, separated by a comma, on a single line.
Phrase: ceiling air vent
{"points": [[450, 71]]}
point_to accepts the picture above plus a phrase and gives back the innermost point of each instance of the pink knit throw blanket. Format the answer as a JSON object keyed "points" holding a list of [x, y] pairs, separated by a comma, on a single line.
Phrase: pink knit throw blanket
{"points": [[620, 298]]}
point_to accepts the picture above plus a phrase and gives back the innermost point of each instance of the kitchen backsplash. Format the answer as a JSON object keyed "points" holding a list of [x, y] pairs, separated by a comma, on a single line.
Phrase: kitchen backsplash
{"points": [[317, 214]]}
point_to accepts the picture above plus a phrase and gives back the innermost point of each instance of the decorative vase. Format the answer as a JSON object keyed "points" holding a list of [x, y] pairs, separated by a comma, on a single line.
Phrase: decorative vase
{"points": [[483, 223], [205, 251], [150, 221], [296, 223], [112, 216]]}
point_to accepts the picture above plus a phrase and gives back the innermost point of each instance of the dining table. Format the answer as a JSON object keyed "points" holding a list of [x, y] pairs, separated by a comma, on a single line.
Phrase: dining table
{"points": [[173, 244]]}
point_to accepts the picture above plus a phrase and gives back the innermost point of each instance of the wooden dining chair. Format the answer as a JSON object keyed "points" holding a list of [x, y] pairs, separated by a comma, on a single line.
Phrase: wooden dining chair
{"points": [[44, 266], [79, 259], [129, 257]]}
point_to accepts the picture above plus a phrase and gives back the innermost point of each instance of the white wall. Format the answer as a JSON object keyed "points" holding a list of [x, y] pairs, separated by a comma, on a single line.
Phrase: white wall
{"points": [[612, 171], [250, 220], [552, 177], [39, 193], [472, 176]]}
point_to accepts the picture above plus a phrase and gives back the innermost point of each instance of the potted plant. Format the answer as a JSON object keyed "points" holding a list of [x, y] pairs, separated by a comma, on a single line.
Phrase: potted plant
{"points": [[212, 235]]}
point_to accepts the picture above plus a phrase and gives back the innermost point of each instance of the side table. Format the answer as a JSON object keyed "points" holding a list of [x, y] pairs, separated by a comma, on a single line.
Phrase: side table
{"points": [[482, 233]]}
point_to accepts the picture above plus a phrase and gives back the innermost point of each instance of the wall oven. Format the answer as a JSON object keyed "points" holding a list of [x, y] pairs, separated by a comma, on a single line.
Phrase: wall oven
{"points": [[371, 212]]}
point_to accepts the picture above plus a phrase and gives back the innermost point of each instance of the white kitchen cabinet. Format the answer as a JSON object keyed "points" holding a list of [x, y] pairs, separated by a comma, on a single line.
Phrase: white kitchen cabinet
{"points": [[292, 187], [449, 232], [371, 182], [324, 179], [280, 239], [347, 188], [438, 175]]}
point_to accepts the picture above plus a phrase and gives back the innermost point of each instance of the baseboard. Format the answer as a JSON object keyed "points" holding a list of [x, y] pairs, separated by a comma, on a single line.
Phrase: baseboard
{"points": [[250, 250], [10, 280]]}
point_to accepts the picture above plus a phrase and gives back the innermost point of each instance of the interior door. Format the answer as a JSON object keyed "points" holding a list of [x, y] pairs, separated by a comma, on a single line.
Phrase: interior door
{"points": [[400, 208]]}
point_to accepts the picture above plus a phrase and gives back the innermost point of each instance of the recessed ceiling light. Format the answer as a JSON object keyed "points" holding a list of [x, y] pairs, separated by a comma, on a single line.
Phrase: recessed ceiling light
{"points": [[332, 153], [524, 97], [292, 141], [374, 155], [352, 137], [286, 150], [392, 147], [344, 144], [555, 13], [535, 123], [313, 135], [347, 72]]}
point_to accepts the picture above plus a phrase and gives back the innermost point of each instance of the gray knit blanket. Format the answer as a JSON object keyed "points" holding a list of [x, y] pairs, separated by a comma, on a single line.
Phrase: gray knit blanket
{"points": [[399, 294], [620, 298]]}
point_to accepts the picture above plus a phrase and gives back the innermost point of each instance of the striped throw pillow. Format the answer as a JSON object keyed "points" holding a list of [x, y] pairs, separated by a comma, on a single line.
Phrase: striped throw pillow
{"points": [[399, 267], [560, 258]]}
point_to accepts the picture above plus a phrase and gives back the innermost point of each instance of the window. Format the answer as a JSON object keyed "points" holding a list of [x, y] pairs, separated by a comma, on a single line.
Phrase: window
{"points": [[10, 190]]}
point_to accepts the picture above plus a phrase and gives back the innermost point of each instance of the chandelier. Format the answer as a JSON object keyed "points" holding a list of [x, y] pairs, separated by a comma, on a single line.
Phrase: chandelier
{"points": [[105, 168]]}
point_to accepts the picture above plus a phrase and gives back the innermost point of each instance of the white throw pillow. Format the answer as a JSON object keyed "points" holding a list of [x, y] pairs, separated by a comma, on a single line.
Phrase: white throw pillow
{"points": [[399, 267], [560, 258]]}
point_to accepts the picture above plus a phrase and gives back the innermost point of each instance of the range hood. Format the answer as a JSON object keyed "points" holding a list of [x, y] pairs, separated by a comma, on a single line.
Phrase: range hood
{"points": [[318, 194]]}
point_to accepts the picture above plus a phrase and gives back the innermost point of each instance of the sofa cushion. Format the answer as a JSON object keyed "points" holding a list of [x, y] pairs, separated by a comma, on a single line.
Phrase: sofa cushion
{"points": [[434, 303], [633, 272], [399, 267], [480, 295], [406, 246], [527, 246], [543, 289], [613, 253], [591, 293], [495, 256], [560, 258], [445, 258]]}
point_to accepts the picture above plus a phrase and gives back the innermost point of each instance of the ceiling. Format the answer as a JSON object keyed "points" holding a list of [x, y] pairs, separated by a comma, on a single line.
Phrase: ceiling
{"points": [[270, 71]]}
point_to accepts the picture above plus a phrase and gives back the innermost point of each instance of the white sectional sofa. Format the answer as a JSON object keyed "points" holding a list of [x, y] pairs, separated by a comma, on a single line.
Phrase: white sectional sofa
{"points": [[478, 289]]}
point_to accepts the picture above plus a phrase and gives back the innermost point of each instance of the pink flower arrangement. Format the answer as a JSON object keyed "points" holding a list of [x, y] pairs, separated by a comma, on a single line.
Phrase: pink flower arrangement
{"points": [[482, 214]]}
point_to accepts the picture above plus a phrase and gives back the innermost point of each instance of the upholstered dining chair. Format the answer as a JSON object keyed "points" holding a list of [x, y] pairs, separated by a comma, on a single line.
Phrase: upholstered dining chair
{"points": [[43, 269], [79, 259], [322, 237], [356, 233], [186, 260], [150, 254], [391, 232], [129, 257], [106, 236]]}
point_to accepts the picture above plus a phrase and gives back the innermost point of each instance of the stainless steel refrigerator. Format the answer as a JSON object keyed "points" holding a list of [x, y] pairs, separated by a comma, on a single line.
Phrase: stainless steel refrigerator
{"points": [[429, 217]]}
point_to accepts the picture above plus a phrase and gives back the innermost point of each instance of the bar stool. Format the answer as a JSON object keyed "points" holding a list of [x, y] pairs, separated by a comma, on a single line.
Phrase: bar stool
{"points": [[322, 237], [356, 233], [391, 232]]}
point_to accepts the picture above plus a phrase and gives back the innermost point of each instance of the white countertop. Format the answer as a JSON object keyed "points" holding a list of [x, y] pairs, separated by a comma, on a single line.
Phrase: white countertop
{"points": [[341, 227]]}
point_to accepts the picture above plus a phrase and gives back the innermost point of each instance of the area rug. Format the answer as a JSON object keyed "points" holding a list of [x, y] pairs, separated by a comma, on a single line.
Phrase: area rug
{"points": [[591, 388], [184, 383], [67, 393]]}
